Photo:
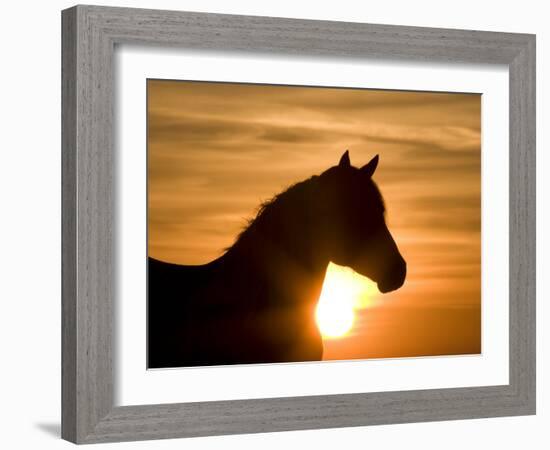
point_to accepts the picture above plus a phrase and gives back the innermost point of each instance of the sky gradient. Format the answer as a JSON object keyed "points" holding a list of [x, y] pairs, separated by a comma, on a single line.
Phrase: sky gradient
{"points": [[217, 150]]}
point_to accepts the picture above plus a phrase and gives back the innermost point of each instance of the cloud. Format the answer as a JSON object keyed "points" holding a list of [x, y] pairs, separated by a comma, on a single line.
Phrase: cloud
{"points": [[217, 150]]}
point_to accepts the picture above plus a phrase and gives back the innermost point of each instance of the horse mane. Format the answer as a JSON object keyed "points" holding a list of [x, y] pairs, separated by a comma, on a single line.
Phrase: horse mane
{"points": [[289, 198]]}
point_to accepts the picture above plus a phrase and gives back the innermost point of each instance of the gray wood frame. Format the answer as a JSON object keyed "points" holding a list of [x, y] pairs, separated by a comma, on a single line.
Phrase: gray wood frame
{"points": [[89, 36]]}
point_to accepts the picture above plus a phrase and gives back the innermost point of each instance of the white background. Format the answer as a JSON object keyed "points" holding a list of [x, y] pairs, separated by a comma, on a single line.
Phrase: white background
{"points": [[30, 225]]}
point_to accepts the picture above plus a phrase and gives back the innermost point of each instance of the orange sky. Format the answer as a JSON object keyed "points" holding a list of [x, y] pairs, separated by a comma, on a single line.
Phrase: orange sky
{"points": [[217, 150]]}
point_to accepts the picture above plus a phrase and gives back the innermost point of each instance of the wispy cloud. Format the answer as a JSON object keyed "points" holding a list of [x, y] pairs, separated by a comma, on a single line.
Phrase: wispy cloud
{"points": [[217, 150]]}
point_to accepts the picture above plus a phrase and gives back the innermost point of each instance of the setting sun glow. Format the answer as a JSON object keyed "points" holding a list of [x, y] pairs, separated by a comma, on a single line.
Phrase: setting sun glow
{"points": [[209, 166], [343, 292]]}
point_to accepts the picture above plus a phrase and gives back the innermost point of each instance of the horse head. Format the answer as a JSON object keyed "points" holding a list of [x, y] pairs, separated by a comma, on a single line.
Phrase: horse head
{"points": [[353, 226]]}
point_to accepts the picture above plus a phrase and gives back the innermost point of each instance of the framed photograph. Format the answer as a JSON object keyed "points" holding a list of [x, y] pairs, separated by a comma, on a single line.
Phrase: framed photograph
{"points": [[278, 224]]}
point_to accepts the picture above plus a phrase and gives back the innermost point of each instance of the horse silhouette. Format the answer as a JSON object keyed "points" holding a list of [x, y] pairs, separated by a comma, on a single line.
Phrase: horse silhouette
{"points": [[256, 303]]}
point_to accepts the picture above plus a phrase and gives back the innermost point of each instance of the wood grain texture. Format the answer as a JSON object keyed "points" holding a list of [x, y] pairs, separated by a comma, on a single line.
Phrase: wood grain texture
{"points": [[89, 37], [523, 224], [68, 226]]}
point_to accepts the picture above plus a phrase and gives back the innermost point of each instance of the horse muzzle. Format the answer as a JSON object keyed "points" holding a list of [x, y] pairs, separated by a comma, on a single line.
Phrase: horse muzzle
{"points": [[395, 278]]}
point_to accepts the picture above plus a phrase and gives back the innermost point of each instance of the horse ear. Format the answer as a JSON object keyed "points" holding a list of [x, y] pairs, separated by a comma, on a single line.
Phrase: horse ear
{"points": [[369, 168], [344, 160]]}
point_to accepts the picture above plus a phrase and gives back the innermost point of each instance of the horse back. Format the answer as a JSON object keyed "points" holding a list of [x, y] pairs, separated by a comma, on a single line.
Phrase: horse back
{"points": [[170, 292]]}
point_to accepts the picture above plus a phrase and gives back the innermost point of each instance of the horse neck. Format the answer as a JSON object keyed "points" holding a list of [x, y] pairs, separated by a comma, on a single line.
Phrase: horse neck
{"points": [[285, 256]]}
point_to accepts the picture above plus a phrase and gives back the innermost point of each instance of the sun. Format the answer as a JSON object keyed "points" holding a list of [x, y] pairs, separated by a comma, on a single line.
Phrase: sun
{"points": [[343, 292]]}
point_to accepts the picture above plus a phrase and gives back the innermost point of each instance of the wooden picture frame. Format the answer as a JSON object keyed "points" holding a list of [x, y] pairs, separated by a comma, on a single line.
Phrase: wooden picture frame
{"points": [[90, 34]]}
